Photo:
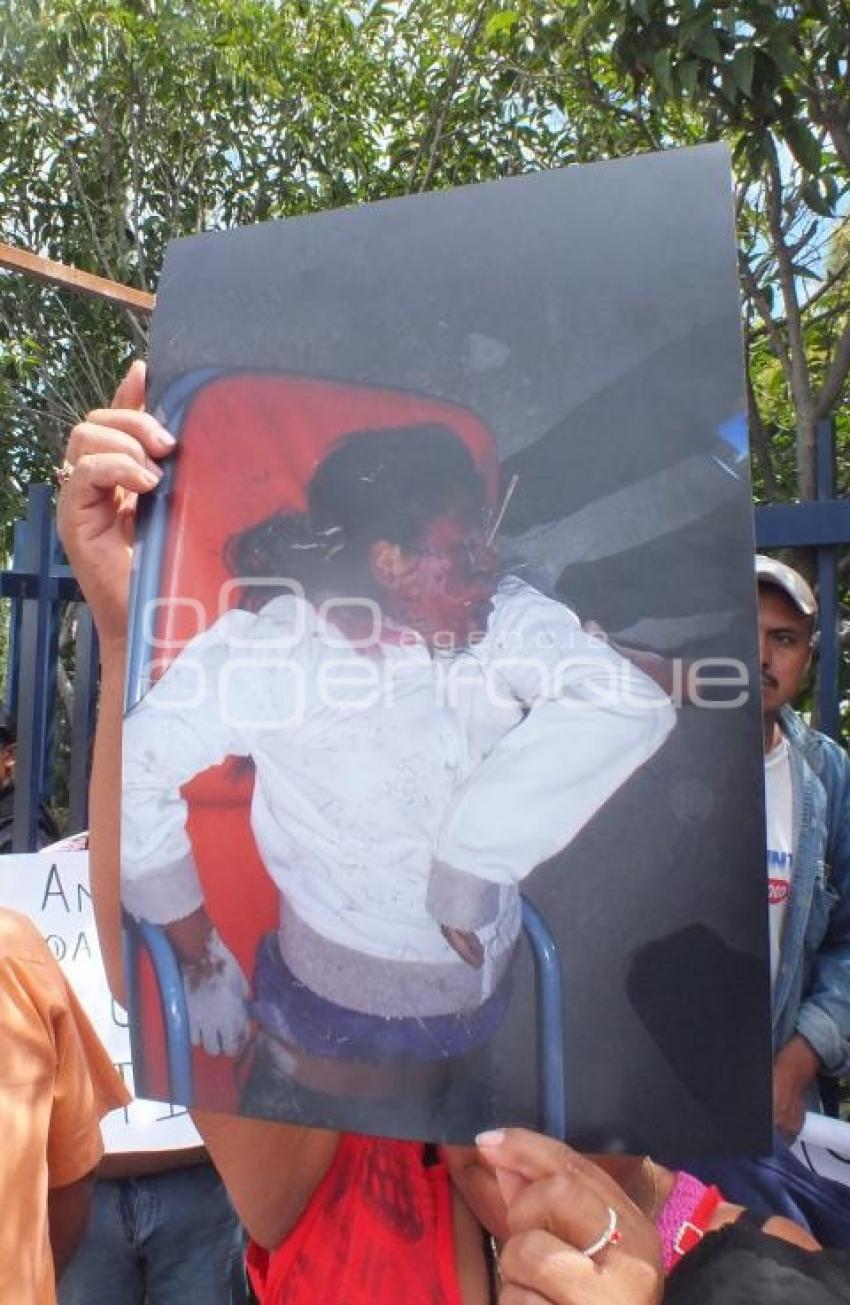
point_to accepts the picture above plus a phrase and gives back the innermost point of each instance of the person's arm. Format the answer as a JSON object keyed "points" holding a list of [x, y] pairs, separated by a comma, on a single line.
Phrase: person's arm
{"points": [[86, 1087], [270, 1169], [821, 1040], [67, 1215], [181, 727], [112, 457], [105, 816], [662, 670], [165, 747], [188, 721], [824, 1016], [592, 719], [795, 1068], [160, 880]]}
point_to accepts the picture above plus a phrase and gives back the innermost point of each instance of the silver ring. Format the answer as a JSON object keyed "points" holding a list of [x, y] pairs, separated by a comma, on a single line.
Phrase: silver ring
{"points": [[610, 1235]]}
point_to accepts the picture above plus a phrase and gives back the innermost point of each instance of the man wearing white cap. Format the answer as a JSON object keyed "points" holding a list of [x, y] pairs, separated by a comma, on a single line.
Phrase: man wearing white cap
{"points": [[807, 802], [807, 808]]}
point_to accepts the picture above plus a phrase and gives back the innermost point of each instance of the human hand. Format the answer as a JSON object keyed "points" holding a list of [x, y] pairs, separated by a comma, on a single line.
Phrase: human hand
{"points": [[112, 458], [558, 1204], [466, 943], [216, 996], [794, 1070]]}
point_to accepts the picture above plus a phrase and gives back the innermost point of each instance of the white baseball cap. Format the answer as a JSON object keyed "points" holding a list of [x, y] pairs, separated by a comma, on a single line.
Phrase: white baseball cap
{"points": [[792, 584]]}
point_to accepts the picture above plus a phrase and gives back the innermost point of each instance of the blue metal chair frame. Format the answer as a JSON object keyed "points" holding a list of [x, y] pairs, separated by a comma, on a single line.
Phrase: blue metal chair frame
{"points": [[550, 1014], [140, 934], [551, 1054]]}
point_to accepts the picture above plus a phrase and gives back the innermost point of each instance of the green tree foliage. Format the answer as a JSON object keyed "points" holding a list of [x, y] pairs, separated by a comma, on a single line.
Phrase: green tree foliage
{"points": [[126, 122], [772, 79]]}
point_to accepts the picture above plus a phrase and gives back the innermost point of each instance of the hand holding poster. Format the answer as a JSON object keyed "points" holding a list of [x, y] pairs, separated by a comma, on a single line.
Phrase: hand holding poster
{"points": [[428, 450], [52, 888]]}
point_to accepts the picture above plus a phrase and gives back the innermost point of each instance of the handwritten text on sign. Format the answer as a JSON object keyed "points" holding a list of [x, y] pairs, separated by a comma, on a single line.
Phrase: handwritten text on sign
{"points": [[52, 888]]}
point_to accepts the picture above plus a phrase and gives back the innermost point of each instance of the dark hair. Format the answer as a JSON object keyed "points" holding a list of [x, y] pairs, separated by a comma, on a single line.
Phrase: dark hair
{"points": [[741, 1265], [374, 484]]}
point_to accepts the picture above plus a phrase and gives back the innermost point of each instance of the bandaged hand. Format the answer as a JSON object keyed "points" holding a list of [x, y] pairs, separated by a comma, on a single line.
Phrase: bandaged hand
{"points": [[216, 996]]}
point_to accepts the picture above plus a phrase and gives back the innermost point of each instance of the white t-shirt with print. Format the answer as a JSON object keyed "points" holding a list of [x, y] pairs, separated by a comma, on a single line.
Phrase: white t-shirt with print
{"points": [[778, 797]]}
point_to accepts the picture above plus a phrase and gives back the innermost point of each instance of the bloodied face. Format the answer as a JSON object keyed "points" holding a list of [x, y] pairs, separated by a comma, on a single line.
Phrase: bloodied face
{"points": [[397, 517], [443, 587]]}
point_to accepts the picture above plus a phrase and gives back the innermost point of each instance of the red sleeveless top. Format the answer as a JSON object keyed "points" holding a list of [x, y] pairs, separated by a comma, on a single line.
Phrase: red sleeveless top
{"points": [[378, 1231]]}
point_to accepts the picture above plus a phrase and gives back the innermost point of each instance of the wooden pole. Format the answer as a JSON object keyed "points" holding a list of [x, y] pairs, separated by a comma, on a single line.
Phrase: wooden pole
{"points": [[71, 278]]}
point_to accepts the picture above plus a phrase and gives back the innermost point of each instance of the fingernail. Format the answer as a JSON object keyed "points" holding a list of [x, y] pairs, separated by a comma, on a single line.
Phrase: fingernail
{"points": [[152, 476], [494, 1137], [166, 438]]}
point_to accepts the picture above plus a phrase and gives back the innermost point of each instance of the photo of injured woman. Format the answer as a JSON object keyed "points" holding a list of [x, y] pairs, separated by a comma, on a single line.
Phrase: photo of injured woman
{"points": [[359, 721]]}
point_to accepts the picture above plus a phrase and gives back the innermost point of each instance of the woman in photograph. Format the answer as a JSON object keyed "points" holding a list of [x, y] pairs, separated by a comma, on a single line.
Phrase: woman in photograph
{"points": [[381, 1220], [424, 729]]}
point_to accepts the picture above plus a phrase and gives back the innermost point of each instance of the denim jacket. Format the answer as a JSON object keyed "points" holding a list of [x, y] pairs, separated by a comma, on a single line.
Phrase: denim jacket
{"points": [[812, 992]]}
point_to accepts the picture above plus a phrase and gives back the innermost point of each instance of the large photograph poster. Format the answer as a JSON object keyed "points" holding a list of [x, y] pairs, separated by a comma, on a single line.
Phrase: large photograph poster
{"points": [[442, 790]]}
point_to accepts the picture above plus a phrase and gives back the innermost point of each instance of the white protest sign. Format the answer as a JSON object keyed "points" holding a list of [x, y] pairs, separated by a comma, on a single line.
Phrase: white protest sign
{"points": [[52, 888], [824, 1147]]}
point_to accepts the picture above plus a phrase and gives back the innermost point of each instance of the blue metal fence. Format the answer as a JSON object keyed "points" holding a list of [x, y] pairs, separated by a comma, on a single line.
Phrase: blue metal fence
{"points": [[39, 583]]}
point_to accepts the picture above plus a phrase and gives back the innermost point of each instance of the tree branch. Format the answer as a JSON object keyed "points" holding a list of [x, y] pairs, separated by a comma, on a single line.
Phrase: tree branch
{"points": [[835, 126], [436, 133], [836, 375], [800, 381], [771, 327], [800, 385], [136, 132], [758, 434], [602, 101], [137, 331], [829, 282]]}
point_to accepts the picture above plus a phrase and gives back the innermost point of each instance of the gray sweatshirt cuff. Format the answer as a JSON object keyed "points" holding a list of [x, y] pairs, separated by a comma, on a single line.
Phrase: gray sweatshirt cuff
{"points": [[171, 892], [461, 900]]}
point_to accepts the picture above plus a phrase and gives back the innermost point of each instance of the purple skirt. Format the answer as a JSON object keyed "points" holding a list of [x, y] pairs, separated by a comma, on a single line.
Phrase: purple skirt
{"points": [[287, 1009]]}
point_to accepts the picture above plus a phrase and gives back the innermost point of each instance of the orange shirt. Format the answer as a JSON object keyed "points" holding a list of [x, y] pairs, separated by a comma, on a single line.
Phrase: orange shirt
{"points": [[56, 1083]]}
